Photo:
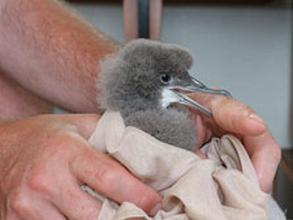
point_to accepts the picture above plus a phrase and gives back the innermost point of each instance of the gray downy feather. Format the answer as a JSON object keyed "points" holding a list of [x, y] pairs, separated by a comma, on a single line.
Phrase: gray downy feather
{"points": [[128, 83]]}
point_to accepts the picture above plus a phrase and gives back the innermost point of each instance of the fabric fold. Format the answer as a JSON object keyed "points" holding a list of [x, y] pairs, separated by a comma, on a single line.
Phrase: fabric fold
{"points": [[222, 187]]}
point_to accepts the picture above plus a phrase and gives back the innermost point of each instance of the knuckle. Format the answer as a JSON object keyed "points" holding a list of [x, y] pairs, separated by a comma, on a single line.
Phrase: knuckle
{"points": [[40, 183], [108, 175], [19, 203]]}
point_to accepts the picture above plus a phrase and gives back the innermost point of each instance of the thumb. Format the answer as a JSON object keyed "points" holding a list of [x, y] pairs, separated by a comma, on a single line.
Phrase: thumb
{"points": [[232, 115]]}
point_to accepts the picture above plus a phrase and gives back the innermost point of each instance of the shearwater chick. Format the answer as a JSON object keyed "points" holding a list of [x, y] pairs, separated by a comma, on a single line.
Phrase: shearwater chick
{"points": [[145, 82]]}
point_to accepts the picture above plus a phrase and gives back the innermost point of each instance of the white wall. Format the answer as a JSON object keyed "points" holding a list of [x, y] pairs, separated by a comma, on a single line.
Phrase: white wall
{"points": [[245, 50]]}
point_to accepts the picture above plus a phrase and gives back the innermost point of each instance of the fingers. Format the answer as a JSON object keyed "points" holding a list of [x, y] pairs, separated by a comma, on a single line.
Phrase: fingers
{"points": [[112, 180], [25, 204], [107, 176], [62, 191], [54, 164], [231, 115], [265, 154], [68, 200]]}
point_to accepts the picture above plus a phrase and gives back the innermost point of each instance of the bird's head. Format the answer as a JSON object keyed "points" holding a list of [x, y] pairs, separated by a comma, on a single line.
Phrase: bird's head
{"points": [[147, 74]]}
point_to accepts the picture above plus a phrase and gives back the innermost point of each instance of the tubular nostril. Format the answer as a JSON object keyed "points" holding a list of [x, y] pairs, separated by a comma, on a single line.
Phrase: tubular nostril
{"points": [[225, 93], [198, 83]]}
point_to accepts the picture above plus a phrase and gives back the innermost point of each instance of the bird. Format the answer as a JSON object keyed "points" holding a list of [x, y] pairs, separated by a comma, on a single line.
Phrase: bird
{"points": [[147, 82]]}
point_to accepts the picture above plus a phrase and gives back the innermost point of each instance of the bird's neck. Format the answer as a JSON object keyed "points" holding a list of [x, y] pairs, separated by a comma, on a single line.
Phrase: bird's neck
{"points": [[139, 102]]}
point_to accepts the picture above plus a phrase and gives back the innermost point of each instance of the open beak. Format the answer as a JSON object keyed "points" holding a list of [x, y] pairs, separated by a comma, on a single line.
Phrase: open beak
{"points": [[187, 84]]}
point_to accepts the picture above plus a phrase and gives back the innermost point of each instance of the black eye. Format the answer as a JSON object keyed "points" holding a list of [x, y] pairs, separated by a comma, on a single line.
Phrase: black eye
{"points": [[165, 78]]}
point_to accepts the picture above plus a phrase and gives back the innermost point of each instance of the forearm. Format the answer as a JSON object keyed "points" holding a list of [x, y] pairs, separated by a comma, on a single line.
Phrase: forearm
{"points": [[51, 52], [17, 102]]}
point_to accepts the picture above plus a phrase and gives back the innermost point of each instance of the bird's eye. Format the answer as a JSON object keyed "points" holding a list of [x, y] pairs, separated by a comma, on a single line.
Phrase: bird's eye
{"points": [[165, 78]]}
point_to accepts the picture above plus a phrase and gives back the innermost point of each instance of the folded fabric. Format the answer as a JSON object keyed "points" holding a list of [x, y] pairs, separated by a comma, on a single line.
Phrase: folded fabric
{"points": [[224, 186]]}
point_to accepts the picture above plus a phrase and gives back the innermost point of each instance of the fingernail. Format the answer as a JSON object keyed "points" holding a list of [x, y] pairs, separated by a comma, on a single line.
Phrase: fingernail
{"points": [[256, 118], [155, 210]]}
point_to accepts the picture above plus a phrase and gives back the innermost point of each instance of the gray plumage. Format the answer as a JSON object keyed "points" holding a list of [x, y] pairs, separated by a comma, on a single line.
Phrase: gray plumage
{"points": [[170, 126], [133, 81]]}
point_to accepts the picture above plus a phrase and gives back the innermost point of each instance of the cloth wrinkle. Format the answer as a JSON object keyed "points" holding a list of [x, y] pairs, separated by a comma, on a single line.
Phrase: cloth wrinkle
{"points": [[222, 187]]}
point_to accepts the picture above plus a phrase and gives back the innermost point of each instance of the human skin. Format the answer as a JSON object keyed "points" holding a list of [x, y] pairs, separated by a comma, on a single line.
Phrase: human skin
{"points": [[45, 159], [17, 102], [47, 53], [51, 52], [232, 116], [53, 55]]}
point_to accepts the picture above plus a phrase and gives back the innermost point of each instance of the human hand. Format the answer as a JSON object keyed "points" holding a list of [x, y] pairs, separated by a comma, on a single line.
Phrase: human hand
{"points": [[45, 159], [231, 116]]}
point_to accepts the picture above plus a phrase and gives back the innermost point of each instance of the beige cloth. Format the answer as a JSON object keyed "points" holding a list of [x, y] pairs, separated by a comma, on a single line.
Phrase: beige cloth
{"points": [[222, 187]]}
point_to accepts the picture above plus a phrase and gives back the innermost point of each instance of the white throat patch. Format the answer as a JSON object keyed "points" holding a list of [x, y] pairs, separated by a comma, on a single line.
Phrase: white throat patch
{"points": [[168, 97]]}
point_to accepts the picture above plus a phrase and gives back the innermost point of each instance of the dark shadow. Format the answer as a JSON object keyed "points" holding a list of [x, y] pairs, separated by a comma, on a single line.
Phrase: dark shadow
{"points": [[290, 130], [285, 185]]}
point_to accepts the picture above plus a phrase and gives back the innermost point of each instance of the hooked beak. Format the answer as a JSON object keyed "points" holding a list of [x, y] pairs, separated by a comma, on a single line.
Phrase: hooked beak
{"points": [[187, 84]]}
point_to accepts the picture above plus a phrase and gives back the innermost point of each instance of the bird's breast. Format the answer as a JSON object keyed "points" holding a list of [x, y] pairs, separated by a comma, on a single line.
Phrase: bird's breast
{"points": [[167, 125]]}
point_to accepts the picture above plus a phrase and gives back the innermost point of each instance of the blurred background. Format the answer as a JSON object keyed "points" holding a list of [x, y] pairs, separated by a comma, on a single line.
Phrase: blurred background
{"points": [[244, 46]]}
